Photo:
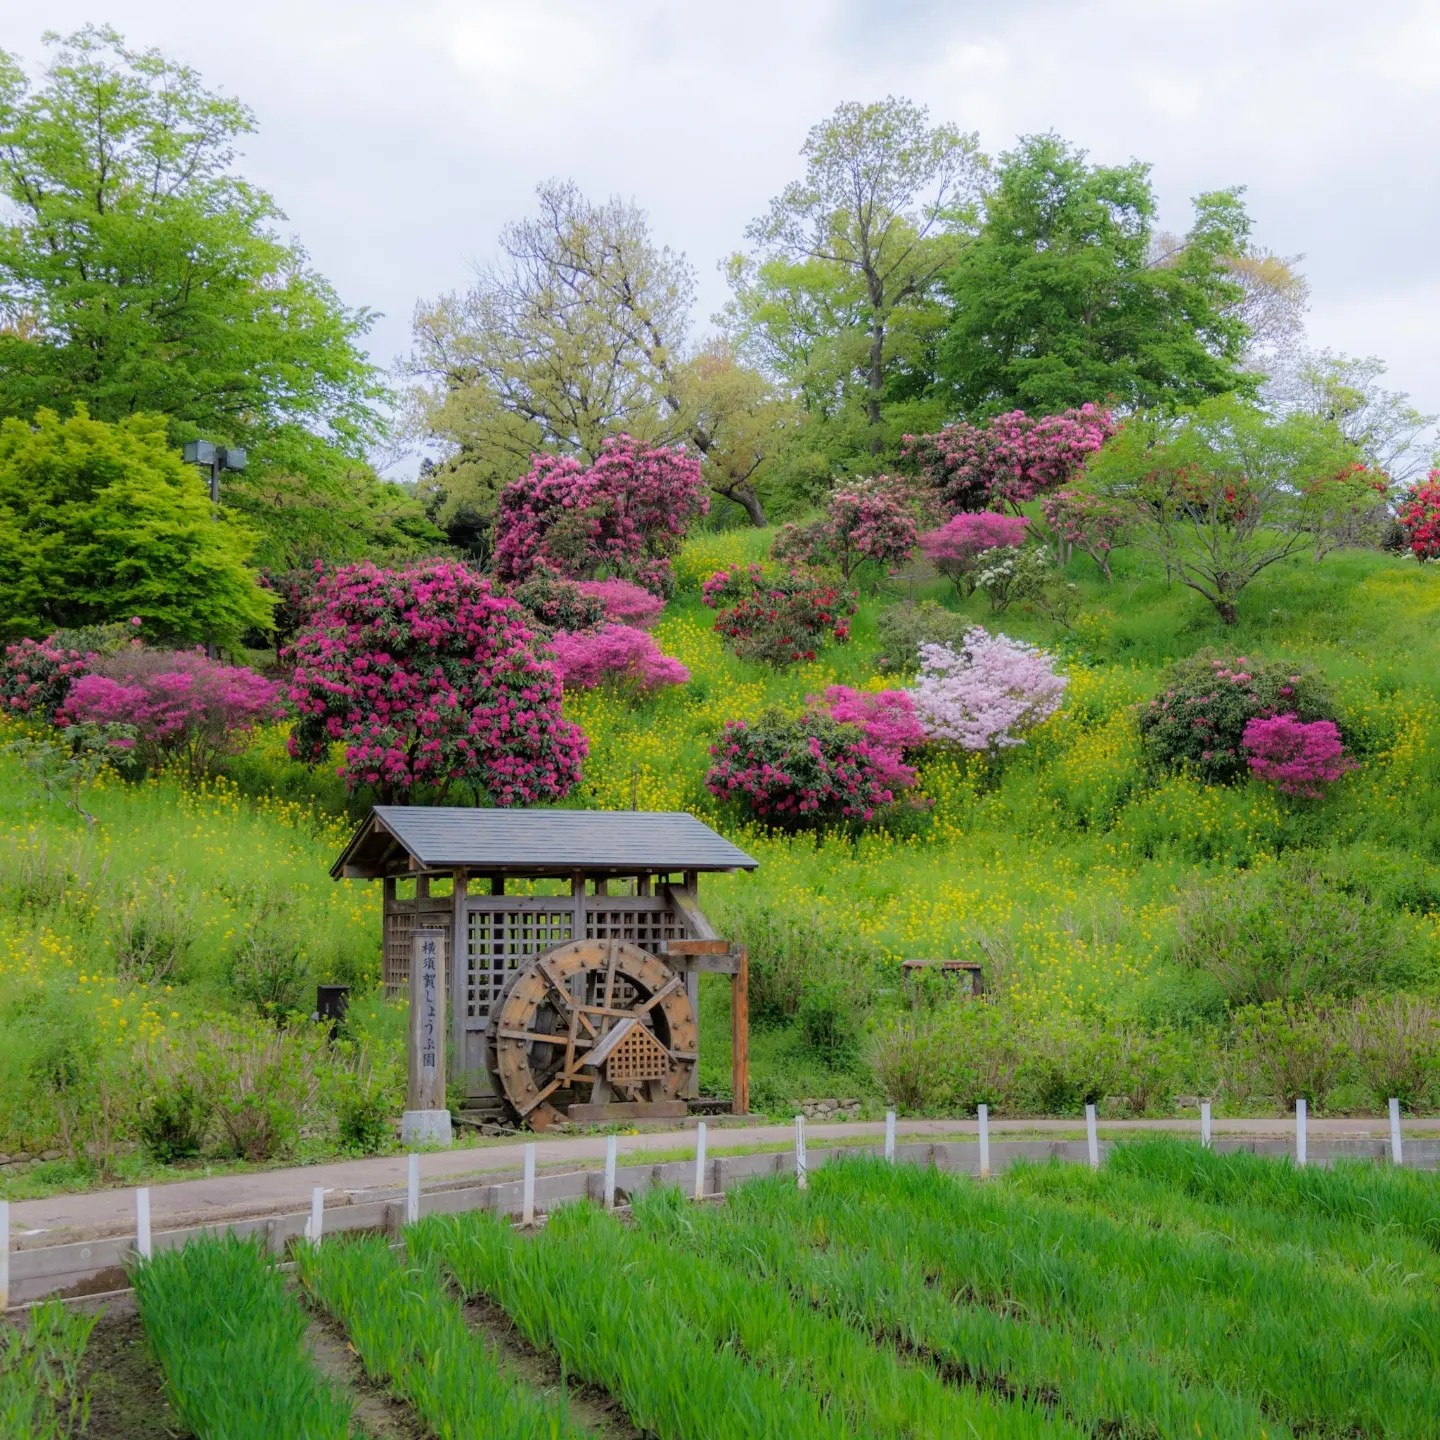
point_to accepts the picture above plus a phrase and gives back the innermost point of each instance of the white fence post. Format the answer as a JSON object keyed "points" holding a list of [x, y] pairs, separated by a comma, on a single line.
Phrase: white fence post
{"points": [[802, 1177], [982, 1113], [1301, 1111], [610, 1147], [316, 1228], [412, 1190], [700, 1161], [1205, 1123], [4, 1256], [142, 1222], [1395, 1152], [1092, 1139], [890, 1136], [527, 1202]]}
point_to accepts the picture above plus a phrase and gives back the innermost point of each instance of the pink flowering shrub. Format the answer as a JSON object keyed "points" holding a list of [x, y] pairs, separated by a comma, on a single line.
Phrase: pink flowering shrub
{"points": [[1419, 517], [956, 547], [615, 653], [296, 589], [865, 519], [777, 620], [427, 676], [1197, 722], [36, 676], [182, 708], [555, 604], [1089, 523], [623, 602], [798, 770], [626, 514], [1295, 757], [887, 720], [986, 694], [1007, 460]]}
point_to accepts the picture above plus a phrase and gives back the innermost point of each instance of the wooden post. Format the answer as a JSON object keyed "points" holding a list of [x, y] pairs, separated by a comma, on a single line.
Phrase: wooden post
{"points": [[1205, 1123], [740, 1034], [426, 1119], [1301, 1109], [4, 1256], [700, 1161], [890, 1136], [412, 1190], [1092, 1140], [142, 1222], [316, 1226], [527, 1187], [1395, 1153], [802, 1167], [459, 965], [982, 1114], [610, 1148]]}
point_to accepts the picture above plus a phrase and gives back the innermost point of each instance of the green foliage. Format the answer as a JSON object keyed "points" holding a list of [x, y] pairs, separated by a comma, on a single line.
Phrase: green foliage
{"points": [[1060, 299], [231, 1341], [262, 1080], [40, 1393], [903, 629], [101, 522]]}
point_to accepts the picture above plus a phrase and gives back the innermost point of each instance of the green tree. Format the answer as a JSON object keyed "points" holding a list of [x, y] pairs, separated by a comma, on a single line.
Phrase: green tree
{"points": [[841, 292], [1221, 492], [1064, 297], [101, 522], [139, 273]]}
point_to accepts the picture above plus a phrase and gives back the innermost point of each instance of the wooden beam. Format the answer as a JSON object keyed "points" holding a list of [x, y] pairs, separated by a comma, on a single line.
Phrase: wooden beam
{"points": [[459, 970], [740, 1034], [697, 947], [684, 902], [629, 1110]]}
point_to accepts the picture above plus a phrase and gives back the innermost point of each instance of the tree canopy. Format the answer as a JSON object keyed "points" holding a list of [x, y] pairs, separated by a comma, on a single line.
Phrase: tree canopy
{"points": [[1062, 299]]}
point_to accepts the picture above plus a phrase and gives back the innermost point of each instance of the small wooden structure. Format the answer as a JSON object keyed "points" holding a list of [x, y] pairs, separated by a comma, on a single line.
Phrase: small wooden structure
{"points": [[581, 1004], [969, 972]]}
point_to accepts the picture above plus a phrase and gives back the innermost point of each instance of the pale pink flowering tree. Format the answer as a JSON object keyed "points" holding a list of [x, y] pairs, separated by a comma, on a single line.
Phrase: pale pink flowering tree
{"points": [[617, 654], [868, 518], [1092, 524], [987, 694]]}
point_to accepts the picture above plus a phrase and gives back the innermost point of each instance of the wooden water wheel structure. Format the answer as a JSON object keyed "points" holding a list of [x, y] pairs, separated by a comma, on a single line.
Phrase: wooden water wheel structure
{"points": [[590, 1023]]}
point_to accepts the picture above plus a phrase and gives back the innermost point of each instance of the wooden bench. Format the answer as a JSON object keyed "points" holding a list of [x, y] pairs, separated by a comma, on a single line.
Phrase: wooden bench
{"points": [[970, 970]]}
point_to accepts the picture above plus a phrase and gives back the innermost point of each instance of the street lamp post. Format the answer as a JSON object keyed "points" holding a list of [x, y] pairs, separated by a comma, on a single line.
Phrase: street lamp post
{"points": [[214, 458]]}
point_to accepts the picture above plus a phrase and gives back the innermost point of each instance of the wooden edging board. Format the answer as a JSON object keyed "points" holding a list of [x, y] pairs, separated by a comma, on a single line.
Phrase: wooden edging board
{"points": [[86, 1268]]}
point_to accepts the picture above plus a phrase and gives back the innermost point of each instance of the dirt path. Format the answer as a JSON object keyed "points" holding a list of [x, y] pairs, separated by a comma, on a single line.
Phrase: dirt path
{"points": [[380, 1415], [127, 1396]]}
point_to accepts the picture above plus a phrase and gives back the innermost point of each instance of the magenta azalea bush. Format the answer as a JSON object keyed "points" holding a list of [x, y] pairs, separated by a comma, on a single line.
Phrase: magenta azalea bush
{"points": [[181, 708], [887, 720], [618, 654], [956, 547], [623, 602], [1008, 460], [865, 519], [626, 514], [426, 676], [36, 676], [986, 694], [1296, 757]]}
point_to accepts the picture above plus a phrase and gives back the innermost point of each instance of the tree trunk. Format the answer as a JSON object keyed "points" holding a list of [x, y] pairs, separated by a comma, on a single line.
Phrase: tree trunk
{"points": [[1228, 613], [746, 497], [875, 382]]}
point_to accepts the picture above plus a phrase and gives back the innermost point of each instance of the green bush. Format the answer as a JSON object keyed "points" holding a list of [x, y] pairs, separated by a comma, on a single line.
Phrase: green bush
{"points": [[1286, 932], [903, 629], [150, 933], [1284, 1052], [268, 968], [1395, 1044], [263, 1082], [175, 1116], [1197, 721]]}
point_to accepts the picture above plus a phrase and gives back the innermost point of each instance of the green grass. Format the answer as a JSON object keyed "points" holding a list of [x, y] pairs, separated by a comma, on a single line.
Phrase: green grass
{"points": [[231, 1341], [41, 1396]]}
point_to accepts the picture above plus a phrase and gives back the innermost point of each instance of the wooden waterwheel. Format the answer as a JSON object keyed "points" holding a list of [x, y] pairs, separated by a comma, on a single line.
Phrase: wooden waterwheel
{"points": [[593, 1020]]}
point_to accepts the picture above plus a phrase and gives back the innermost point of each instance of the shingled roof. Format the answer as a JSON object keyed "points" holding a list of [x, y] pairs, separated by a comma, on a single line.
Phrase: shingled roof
{"points": [[406, 839]]}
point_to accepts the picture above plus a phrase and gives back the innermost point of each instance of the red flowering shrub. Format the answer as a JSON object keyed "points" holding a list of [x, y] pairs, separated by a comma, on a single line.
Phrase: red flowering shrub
{"points": [[556, 604], [865, 519], [795, 770], [1089, 523], [956, 547], [1198, 721], [778, 620], [1009, 459], [1295, 757], [1419, 517], [182, 707], [427, 676], [617, 653], [37, 674], [624, 603], [626, 514]]}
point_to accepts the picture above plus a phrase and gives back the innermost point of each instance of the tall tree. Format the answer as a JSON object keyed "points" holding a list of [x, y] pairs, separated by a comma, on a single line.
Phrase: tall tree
{"points": [[139, 273], [886, 204], [1063, 299], [577, 334]]}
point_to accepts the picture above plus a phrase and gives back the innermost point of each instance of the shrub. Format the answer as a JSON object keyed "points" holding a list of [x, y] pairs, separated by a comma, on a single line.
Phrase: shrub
{"points": [[150, 933], [948, 1058], [365, 1103], [626, 514], [182, 708], [622, 602], [176, 1113], [886, 718], [988, 694], [903, 629], [1419, 517], [1284, 1051], [1009, 459], [268, 969], [1286, 933], [1295, 757], [617, 654], [262, 1080], [1029, 577], [865, 519], [794, 770], [1395, 1042], [37, 674], [955, 549], [556, 604], [428, 677], [1092, 524], [777, 620], [295, 594], [1197, 721]]}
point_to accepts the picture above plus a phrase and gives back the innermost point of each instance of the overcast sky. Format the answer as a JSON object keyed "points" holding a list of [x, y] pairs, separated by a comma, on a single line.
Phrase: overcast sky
{"points": [[399, 135]]}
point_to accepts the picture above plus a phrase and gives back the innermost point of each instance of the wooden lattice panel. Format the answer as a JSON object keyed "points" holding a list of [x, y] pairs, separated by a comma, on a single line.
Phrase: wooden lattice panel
{"points": [[647, 926], [499, 940], [400, 926], [637, 1056]]}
